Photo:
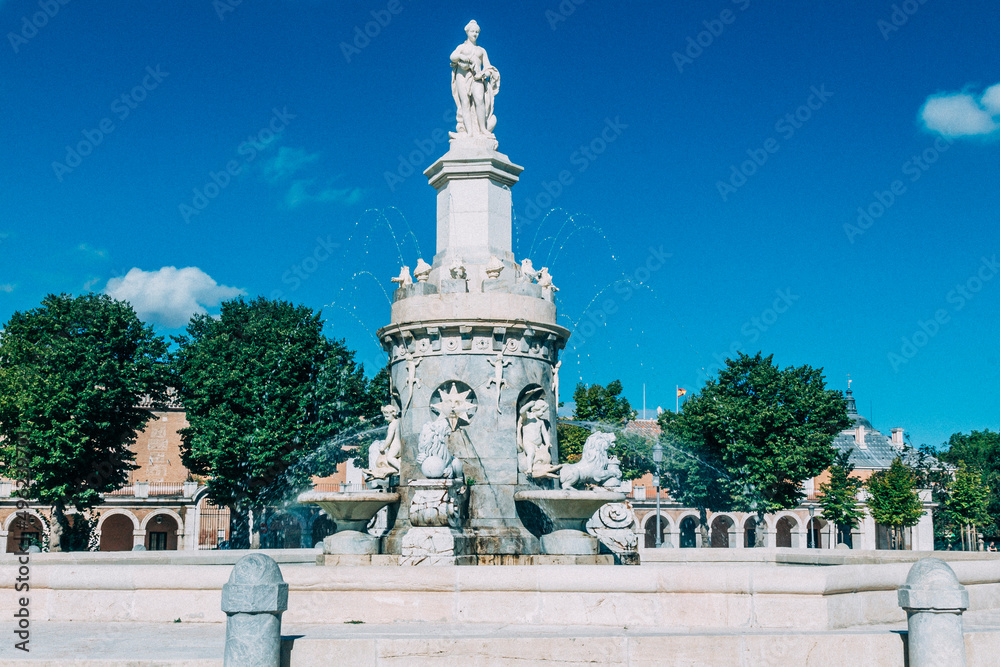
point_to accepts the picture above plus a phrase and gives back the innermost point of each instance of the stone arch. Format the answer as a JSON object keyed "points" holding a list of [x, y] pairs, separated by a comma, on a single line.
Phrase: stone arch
{"points": [[117, 532], [16, 529], [117, 511], [10, 518], [818, 532], [688, 529], [163, 510], [786, 531], [649, 529], [722, 524]]}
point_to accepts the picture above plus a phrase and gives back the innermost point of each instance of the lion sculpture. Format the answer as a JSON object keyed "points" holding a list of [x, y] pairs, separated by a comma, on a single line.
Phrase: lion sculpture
{"points": [[596, 467]]}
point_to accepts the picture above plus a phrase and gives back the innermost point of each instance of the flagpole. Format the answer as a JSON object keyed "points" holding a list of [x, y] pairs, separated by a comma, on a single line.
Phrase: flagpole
{"points": [[677, 392]]}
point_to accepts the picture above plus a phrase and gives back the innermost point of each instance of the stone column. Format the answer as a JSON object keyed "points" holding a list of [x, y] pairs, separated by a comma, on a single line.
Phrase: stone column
{"points": [[934, 601], [253, 600], [138, 538]]}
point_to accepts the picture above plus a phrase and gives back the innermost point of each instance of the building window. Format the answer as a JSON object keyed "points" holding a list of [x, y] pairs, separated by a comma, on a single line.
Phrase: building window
{"points": [[157, 541]]}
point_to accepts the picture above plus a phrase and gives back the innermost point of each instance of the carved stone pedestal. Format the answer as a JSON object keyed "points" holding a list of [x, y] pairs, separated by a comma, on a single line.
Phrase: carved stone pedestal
{"points": [[437, 511]]}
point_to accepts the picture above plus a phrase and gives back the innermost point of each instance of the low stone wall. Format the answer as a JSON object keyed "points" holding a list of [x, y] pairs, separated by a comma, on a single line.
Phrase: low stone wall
{"points": [[82, 587]]}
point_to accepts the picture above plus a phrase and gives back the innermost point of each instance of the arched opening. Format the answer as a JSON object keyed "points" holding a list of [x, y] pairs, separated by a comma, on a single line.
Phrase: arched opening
{"points": [[322, 527], [213, 525], [24, 531], [283, 532], [161, 533], [650, 539], [750, 533], [689, 528], [116, 533], [785, 532], [721, 525], [817, 533]]}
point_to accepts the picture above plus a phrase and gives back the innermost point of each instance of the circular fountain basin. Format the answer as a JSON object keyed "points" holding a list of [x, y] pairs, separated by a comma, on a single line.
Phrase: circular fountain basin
{"points": [[569, 509], [350, 510]]}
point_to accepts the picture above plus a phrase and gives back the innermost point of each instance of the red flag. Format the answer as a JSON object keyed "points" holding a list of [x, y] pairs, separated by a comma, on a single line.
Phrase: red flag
{"points": [[681, 392]]}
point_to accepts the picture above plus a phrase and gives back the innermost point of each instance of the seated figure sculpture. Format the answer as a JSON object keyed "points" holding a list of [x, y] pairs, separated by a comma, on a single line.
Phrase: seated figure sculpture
{"points": [[383, 455], [533, 443], [596, 467]]}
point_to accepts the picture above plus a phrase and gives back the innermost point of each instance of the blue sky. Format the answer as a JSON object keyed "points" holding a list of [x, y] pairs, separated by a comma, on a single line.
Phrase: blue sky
{"points": [[718, 154]]}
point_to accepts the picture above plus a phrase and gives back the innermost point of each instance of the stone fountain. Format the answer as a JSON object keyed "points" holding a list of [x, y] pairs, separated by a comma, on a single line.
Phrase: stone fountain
{"points": [[473, 350]]}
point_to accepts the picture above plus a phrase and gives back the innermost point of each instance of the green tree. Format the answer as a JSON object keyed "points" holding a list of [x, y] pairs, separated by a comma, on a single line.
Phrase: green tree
{"points": [[765, 429], [980, 450], [263, 387], [893, 500], [967, 503], [604, 405], [72, 373], [839, 497]]}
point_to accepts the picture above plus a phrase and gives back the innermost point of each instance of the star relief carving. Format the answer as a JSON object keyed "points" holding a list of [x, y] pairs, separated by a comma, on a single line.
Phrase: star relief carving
{"points": [[454, 406]]}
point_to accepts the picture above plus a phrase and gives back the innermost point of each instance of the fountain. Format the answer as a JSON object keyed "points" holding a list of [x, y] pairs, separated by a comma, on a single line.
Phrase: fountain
{"points": [[473, 348]]}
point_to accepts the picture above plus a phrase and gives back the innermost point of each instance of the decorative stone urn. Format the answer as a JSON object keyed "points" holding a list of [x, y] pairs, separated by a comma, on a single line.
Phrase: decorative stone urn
{"points": [[569, 510]]}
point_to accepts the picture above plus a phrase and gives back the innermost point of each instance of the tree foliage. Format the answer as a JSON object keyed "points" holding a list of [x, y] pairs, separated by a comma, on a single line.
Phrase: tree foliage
{"points": [[263, 387], [72, 373], [893, 500], [763, 430], [838, 497], [605, 405], [980, 451]]}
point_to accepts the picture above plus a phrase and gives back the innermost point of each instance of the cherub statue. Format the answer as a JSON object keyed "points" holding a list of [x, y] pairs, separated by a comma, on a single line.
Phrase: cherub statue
{"points": [[403, 279], [383, 455], [528, 273], [545, 279]]}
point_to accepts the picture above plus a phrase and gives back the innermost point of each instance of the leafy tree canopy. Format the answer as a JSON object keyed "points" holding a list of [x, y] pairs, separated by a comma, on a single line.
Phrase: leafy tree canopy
{"points": [[72, 373], [602, 404], [263, 387], [892, 496], [838, 496], [764, 429], [612, 412], [980, 451]]}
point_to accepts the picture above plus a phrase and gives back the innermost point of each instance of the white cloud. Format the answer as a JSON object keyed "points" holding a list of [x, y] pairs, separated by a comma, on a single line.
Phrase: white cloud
{"points": [[92, 251], [963, 114], [169, 296], [301, 192], [288, 161], [7, 287]]}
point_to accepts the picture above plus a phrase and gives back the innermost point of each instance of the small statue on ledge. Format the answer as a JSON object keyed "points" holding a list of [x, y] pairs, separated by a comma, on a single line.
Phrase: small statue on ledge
{"points": [[383, 455], [528, 273], [403, 279]]}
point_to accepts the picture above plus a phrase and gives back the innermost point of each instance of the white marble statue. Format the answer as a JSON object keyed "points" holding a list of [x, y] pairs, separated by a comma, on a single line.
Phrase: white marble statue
{"points": [[545, 279], [433, 457], [384, 455], [596, 467], [493, 268], [422, 272], [474, 84], [498, 365], [412, 381], [457, 270], [533, 443], [555, 380], [403, 279], [528, 273]]}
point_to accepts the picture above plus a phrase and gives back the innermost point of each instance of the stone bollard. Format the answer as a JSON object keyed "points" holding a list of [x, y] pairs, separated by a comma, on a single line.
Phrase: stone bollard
{"points": [[253, 601], [934, 601]]}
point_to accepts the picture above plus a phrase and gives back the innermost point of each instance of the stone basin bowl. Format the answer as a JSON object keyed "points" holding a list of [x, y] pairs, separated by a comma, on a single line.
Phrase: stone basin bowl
{"points": [[569, 509], [350, 510]]}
